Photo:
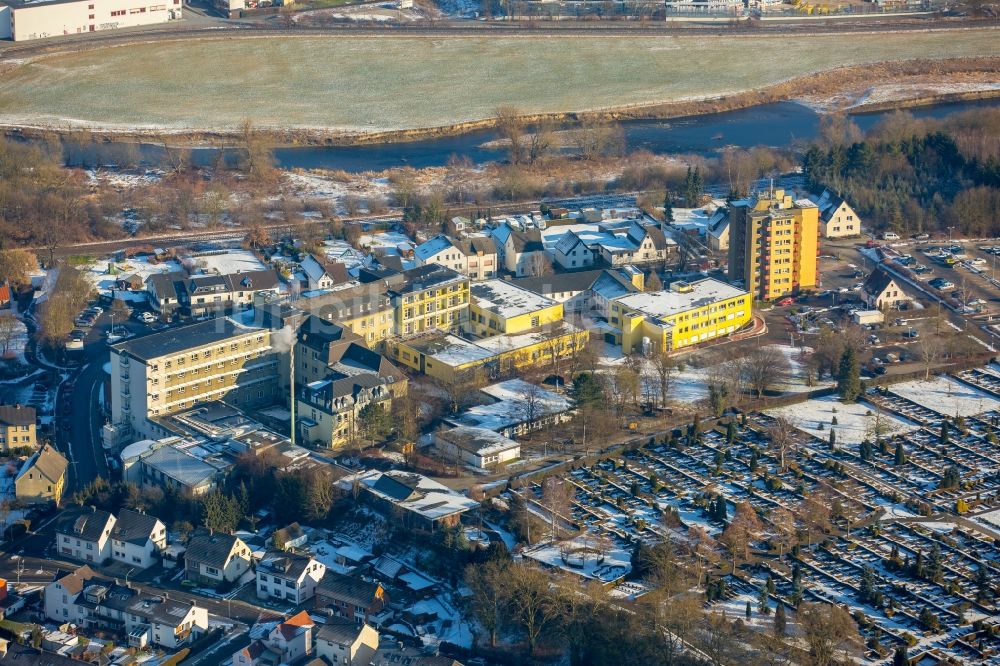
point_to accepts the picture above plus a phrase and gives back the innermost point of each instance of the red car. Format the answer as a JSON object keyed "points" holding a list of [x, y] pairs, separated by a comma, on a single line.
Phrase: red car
{"points": [[788, 300]]}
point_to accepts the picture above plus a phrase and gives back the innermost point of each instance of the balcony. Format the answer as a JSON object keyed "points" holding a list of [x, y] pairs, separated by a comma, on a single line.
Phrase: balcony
{"points": [[124, 376]]}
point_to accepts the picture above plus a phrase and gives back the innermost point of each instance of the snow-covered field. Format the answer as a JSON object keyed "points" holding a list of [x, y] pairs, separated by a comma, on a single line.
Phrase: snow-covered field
{"points": [[946, 396], [616, 561], [233, 261], [855, 421], [691, 384], [103, 273], [404, 82]]}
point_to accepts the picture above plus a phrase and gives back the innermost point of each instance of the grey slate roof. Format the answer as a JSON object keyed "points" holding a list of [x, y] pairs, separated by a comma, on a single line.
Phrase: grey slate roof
{"points": [[339, 630], [284, 564], [133, 527], [18, 415], [353, 591], [85, 522], [211, 549], [877, 282]]}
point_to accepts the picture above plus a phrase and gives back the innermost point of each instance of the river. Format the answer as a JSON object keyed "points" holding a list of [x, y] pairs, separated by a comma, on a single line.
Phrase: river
{"points": [[777, 125]]}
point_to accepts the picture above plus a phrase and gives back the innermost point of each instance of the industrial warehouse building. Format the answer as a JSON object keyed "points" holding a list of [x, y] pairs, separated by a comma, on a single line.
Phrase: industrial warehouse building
{"points": [[22, 20]]}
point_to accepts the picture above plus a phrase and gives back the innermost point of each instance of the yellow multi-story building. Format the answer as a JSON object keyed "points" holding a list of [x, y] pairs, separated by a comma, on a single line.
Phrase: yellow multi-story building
{"points": [[365, 310], [172, 370], [450, 358], [501, 308], [773, 244], [429, 298], [687, 314], [17, 427]]}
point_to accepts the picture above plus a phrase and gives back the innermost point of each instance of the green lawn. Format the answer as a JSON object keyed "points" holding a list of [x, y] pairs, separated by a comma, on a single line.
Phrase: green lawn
{"points": [[392, 82]]}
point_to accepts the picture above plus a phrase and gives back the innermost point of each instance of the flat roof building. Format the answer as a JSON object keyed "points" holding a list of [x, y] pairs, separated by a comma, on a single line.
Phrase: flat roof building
{"points": [[687, 314], [22, 20]]}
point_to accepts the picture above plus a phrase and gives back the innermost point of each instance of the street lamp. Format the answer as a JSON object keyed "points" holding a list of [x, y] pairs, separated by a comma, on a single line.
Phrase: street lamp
{"points": [[949, 234]]}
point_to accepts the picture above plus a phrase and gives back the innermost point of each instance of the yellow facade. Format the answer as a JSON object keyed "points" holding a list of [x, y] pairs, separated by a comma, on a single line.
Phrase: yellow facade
{"points": [[774, 242], [441, 307], [17, 436], [374, 327], [643, 328], [450, 359], [484, 323]]}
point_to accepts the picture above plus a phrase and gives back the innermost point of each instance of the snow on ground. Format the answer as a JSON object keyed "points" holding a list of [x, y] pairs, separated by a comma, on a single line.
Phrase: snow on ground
{"points": [[124, 179], [233, 261], [104, 273], [315, 185], [386, 241], [448, 626], [990, 519], [855, 421], [691, 384], [946, 396], [18, 341], [579, 551]]}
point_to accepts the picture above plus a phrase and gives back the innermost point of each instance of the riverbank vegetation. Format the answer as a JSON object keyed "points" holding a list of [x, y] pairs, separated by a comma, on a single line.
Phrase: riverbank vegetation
{"points": [[915, 175]]}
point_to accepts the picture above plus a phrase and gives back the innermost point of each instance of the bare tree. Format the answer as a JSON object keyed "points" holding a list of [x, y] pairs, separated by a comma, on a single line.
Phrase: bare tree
{"points": [[783, 523], [531, 405], [543, 141], [664, 366], [16, 266], [829, 629], [741, 532], [534, 607], [538, 265], [510, 125], [782, 438], [256, 156], [765, 366], [8, 329], [929, 350], [815, 513], [490, 594], [557, 495]]}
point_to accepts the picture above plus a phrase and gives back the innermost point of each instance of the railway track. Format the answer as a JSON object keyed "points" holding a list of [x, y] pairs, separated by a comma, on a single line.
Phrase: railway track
{"points": [[444, 28], [182, 238]]}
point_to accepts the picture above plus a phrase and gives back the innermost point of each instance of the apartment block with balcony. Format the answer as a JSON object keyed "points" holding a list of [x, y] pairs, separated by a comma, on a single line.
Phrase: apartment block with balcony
{"points": [[773, 245], [430, 298], [682, 316], [499, 307], [172, 370]]}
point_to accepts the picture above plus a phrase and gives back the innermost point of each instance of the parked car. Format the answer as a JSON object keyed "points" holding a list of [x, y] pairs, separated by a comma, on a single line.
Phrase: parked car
{"points": [[788, 300], [921, 237], [890, 236], [911, 333]]}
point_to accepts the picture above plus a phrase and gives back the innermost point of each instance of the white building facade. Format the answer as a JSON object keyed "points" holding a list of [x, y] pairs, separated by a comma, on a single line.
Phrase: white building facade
{"points": [[23, 21]]}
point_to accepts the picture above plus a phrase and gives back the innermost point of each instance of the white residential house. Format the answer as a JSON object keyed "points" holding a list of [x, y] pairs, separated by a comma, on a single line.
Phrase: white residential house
{"points": [[286, 643], [881, 291], [479, 447], [92, 603], [836, 217], [137, 539], [84, 534], [283, 575], [474, 256], [572, 253], [521, 252], [321, 273], [216, 558], [342, 641], [163, 291]]}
